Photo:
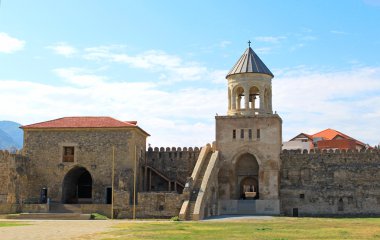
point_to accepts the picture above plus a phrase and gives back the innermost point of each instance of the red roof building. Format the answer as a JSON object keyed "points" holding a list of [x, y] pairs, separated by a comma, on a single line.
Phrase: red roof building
{"points": [[82, 122], [326, 139]]}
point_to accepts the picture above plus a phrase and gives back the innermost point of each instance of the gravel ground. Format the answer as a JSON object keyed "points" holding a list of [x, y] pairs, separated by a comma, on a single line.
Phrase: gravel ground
{"points": [[237, 217], [56, 229]]}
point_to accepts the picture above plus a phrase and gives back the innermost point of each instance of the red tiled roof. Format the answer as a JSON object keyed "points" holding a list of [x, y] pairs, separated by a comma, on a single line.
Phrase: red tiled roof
{"points": [[81, 122], [337, 143], [330, 134]]}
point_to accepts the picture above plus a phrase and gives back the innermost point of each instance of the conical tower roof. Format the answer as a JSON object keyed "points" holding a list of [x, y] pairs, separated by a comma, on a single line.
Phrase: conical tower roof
{"points": [[249, 62]]}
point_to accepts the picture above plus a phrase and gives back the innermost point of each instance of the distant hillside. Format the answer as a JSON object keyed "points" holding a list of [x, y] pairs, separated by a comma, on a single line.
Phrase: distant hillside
{"points": [[11, 136]]}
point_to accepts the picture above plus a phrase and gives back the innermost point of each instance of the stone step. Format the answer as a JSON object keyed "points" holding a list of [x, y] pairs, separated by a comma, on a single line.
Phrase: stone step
{"points": [[65, 208], [51, 216]]}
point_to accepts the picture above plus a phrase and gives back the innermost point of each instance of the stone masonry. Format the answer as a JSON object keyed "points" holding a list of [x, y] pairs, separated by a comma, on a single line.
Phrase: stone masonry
{"points": [[330, 183]]}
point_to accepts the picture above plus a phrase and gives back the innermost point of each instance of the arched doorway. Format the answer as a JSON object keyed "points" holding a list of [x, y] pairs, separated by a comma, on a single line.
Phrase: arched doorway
{"points": [[77, 186], [249, 188], [247, 177]]}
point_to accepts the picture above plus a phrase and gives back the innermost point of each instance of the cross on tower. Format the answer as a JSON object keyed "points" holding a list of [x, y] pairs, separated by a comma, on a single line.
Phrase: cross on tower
{"points": [[249, 43]]}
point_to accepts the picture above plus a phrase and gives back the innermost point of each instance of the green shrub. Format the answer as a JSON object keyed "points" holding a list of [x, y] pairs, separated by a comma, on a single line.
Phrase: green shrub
{"points": [[97, 216], [175, 219]]}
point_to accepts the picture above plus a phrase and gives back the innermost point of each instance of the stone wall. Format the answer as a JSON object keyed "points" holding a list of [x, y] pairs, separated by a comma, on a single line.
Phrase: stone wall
{"points": [[330, 183], [174, 163], [148, 204], [14, 172], [93, 151]]}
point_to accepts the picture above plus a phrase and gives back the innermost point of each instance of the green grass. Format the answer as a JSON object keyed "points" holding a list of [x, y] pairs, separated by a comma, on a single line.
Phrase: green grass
{"points": [[11, 224], [281, 228], [98, 216]]}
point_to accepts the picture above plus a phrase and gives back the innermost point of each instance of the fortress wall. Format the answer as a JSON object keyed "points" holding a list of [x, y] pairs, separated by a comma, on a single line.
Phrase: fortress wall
{"points": [[13, 177], [148, 205], [330, 183], [175, 163]]}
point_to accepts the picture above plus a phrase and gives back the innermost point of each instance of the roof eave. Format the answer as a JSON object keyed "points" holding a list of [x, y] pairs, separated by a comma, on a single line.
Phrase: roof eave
{"points": [[228, 75]]}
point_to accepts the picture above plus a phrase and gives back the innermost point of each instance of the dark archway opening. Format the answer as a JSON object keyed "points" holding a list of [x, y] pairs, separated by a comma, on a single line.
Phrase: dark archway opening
{"points": [[247, 173], [249, 188], [77, 186]]}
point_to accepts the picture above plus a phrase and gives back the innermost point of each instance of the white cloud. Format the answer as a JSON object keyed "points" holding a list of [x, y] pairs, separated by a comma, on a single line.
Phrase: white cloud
{"points": [[311, 100], [224, 43], [263, 50], [270, 39], [10, 44], [307, 100], [79, 76], [171, 67], [182, 118], [64, 49]]}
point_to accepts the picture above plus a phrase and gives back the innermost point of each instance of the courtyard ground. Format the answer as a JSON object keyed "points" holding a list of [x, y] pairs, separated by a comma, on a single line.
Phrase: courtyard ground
{"points": [[274, 228]]}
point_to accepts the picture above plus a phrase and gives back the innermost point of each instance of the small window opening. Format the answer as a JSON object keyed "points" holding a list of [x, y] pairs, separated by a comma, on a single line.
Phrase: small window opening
{"points": [[250, 133], [241, 133], [302, 196], [234, 134], [68, 154], [258, 133]]}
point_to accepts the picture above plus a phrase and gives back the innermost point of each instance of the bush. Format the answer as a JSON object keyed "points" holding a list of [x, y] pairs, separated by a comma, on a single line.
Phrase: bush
{"points": [[97, 216], [175, 219]]}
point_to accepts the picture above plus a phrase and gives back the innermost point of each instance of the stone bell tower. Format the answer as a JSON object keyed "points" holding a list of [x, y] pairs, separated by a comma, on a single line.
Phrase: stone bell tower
{"points": [[249, 141], [249, 86]]}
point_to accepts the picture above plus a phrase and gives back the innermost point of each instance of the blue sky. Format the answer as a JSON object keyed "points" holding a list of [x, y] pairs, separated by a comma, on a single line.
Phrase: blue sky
{"points": [[163, 63]]}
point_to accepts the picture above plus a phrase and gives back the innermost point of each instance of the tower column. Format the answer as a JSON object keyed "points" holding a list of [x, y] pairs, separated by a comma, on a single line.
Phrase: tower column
{"points": [[246, 98], [262, 105], [229, 99], [233, 100]]}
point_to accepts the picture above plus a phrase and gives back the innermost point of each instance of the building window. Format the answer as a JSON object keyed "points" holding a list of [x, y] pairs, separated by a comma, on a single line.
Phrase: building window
{"points": [[258, 133], [234, 134], [241, 133], [250, 133], [302, 196], [68, 154]]}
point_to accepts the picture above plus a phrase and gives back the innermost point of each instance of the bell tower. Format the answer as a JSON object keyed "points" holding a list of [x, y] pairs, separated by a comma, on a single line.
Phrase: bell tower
{"points": [[249, 86], [249, 141]]}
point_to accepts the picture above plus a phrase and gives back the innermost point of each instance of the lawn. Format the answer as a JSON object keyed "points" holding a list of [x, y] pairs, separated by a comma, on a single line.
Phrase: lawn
{"points": [[274, 229], [11, 224]]}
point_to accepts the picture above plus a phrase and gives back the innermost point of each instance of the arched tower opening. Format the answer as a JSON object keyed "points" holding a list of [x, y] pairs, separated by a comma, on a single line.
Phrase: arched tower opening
{"points": [[247, 177], [254, 98], [77, 186]]}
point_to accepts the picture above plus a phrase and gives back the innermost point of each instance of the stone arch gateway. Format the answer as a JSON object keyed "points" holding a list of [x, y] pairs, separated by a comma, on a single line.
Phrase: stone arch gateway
{"points": [[77, 186]]}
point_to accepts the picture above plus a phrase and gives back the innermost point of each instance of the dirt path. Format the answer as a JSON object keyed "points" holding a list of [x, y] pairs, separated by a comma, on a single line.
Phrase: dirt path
{"points": [[56, 229]]}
